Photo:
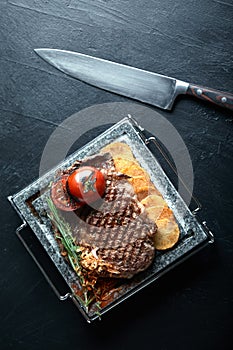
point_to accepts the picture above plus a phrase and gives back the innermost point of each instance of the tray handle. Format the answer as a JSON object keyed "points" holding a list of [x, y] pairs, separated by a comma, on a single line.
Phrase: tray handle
{"points": [[60, 295], [163, 153], [29, 241], [209, 232]]}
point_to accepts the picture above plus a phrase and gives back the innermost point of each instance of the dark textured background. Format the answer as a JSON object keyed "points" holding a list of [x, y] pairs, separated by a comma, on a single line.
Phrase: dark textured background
{"points": [[190, 307]]}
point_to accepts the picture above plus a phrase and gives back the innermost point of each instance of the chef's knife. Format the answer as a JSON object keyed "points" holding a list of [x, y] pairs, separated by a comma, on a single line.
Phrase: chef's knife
{"points": [[138, 84]]}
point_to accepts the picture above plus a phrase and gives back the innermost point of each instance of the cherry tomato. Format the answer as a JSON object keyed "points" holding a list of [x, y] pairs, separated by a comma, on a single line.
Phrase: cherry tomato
{"points": [[86, 184], [61, 197]]}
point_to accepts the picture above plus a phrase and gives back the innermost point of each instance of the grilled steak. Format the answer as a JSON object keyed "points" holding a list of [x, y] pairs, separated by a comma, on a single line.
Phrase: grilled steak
{"points": [[115, 235]]}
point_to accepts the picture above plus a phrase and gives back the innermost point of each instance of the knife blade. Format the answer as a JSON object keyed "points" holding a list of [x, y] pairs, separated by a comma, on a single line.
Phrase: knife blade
{"points": [[145, 86]]}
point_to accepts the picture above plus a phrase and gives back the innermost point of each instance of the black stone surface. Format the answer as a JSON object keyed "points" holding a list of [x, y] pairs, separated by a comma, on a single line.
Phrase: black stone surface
{"points": [[190, 307]]}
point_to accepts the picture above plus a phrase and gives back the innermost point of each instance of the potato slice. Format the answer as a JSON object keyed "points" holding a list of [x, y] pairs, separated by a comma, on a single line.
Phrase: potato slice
{"points": [[144, 192], [121, 164], [168, 231], [167, 234], [154, 212], [166, 214], [139, 182], [134, 170], [129, 167], [119, 149], [140, 179], [153, 200]]}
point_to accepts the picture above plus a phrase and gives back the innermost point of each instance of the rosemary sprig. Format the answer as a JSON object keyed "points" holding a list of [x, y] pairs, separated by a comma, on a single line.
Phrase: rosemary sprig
{"points": [[73, 251], [98, 309], [66, 238]]}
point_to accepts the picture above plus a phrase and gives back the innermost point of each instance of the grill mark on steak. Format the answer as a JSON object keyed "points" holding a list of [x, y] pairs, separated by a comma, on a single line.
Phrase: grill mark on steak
{"points": [[117, 225]]}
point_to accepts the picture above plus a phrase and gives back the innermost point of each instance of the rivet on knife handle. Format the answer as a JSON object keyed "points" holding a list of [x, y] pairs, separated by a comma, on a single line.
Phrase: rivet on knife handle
{"points": [[223, 99]]}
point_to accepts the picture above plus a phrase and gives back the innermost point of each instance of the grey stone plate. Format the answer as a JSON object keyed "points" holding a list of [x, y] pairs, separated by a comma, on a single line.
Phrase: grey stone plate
{"points": [[31, 205]]}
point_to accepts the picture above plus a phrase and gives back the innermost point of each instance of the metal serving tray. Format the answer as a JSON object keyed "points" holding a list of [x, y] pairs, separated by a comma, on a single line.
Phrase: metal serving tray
{"points": [[30, 203]]}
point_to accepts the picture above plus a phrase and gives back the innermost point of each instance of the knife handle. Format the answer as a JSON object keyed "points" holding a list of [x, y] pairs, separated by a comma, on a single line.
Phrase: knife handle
{"points": [[220, 98]]}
